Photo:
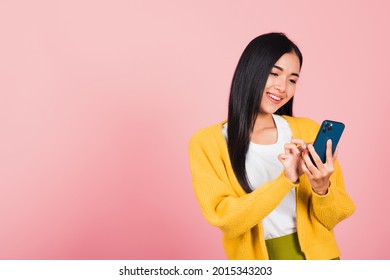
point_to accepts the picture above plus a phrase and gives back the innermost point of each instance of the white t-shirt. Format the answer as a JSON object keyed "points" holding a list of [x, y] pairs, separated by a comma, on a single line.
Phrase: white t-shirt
{"points": [[262, 165]]}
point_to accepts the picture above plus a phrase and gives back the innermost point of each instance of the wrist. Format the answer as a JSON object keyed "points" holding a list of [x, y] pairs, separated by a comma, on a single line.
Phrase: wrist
{"points": [[292, 179], [322, 190], [320, 193]]}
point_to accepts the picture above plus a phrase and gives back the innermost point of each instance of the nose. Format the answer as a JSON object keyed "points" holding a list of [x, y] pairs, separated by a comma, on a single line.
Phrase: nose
{"points": [[280, 84]]}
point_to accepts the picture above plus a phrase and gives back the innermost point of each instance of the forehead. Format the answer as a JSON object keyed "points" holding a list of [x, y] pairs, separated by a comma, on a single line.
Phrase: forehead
{"points": [[289, 62]]}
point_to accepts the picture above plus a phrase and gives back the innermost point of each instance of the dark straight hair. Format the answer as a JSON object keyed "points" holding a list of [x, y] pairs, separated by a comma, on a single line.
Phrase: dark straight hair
{"points": [[246, 92]]}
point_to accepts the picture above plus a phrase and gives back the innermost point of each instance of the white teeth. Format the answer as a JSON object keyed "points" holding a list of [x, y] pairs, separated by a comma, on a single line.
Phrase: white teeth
{"points": [[274, 97]]}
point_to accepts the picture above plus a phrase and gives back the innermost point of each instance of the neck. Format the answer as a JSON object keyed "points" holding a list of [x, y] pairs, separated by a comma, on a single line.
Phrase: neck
{"points": [[264, 121]]}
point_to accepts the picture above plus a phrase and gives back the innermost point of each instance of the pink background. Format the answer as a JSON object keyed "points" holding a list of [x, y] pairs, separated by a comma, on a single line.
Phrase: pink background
{"points": [[98, 100]]}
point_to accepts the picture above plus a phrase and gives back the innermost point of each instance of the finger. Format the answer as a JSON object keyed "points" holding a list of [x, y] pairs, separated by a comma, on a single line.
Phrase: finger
{"points": [[315, 156], [290, 148], [305, 169], [299, 142], [309, 164], [329, 156], [282, 157]]}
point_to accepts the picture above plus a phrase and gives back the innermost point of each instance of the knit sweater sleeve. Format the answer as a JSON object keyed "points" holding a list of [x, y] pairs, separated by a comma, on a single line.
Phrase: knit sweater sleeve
{"points": [[222, 205], [336, 205]]}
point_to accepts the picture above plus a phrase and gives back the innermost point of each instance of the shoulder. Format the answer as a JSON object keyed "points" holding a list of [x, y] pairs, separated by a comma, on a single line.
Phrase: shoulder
{"points": [[303, 127], [208, 145], [212, 133], [304, 123]]}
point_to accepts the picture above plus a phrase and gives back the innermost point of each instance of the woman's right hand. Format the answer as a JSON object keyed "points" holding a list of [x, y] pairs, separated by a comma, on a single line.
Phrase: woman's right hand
{"points": [[291, 159]]}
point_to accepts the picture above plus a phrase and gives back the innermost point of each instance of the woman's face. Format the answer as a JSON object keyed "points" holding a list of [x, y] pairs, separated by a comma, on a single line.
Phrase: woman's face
{"points": [[281, 83]]}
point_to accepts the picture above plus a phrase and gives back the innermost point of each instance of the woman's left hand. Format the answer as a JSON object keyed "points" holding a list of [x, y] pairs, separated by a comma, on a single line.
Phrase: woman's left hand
{"points": [[318, 176]]}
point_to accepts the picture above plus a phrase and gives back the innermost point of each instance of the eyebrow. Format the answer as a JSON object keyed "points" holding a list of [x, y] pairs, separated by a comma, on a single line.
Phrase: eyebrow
{"points": [[281, 69]]}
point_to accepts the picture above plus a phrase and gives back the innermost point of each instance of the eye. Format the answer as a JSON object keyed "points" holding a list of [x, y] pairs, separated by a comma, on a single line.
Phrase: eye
{"points": [[293, 81], [273, 74]]}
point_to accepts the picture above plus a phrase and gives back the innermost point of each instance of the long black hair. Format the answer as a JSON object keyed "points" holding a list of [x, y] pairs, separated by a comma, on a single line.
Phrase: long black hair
{"points": [[246, 92]]}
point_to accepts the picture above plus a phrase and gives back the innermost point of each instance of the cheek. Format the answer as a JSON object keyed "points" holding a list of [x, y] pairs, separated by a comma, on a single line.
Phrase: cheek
{"points": [[291, 91]]}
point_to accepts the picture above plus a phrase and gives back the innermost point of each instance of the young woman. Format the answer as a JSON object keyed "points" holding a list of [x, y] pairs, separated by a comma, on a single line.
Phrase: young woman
{"points": [[252, 174]]}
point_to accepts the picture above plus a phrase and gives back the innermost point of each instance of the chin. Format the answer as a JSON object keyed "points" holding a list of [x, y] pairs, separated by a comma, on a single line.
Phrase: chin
{"points": [[270, 110]]}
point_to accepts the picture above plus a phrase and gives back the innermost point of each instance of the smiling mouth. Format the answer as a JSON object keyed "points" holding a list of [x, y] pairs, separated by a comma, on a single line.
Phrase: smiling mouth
{"points": [[274, 97]]}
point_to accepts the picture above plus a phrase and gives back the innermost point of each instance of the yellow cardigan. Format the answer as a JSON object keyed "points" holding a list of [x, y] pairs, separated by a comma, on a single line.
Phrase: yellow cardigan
{"points": [[226, 205]]}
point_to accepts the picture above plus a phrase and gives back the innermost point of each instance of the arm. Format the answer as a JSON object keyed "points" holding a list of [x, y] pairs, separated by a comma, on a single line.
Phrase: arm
{"points": [[224, 205], [336, 205], [330, 202]]}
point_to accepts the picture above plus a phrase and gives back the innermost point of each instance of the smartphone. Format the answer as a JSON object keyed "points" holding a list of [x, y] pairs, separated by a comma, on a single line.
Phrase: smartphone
{"points": [[328, 130]]}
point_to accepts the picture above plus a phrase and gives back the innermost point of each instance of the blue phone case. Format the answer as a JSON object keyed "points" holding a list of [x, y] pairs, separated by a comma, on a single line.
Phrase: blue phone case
{"points": [[328, 130]]}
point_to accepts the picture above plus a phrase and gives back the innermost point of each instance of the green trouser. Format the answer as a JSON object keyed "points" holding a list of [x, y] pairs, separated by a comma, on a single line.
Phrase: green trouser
{"points": [[285, 248]]}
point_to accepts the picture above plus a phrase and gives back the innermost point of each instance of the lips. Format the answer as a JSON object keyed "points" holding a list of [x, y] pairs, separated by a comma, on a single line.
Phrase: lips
{"points": [[274, 98]]}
